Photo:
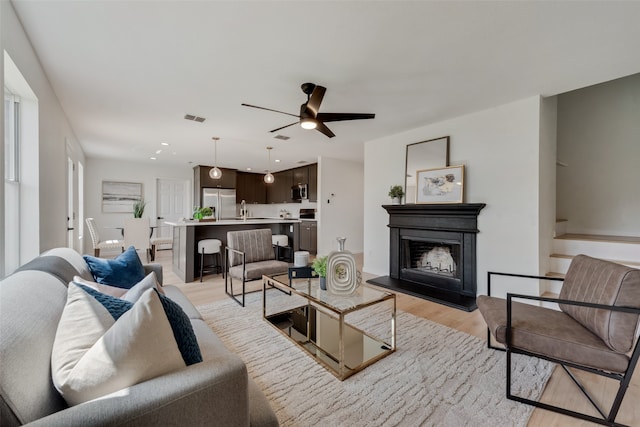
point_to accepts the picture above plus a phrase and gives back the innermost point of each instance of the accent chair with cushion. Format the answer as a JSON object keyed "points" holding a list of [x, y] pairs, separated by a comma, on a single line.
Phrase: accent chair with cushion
{"points": [[249, 255], [594, 330]]}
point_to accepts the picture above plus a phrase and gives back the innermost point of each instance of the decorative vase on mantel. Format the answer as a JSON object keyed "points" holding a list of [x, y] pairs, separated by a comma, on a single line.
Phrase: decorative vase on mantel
{"points": [[342, 276], [396, 201]]}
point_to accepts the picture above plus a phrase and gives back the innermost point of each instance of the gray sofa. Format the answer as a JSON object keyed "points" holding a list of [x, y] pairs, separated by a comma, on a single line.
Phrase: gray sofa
{"points": [[216, 391]]}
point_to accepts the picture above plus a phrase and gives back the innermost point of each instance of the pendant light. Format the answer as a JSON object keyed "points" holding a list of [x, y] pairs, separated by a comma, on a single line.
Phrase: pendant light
{"points": [[215, 173], [268, 178]]}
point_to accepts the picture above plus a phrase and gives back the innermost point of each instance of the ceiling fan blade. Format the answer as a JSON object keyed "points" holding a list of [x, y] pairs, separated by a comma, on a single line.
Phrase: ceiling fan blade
{"points": [[316, 99], [286, 126], [268, 109], [321, 127], [337, 117]]}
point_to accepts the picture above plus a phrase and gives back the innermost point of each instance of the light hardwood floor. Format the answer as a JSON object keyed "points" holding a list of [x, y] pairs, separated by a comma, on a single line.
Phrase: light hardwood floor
{"points": [[560, 389]]}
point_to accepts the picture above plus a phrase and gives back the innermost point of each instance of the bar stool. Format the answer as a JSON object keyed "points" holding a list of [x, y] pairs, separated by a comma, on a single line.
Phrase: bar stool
{"points": [[210, 247], [281, 241]]}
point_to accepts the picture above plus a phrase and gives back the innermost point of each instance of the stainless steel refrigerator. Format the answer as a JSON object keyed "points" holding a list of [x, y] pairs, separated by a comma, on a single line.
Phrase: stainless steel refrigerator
{"points": [[223, 200]]}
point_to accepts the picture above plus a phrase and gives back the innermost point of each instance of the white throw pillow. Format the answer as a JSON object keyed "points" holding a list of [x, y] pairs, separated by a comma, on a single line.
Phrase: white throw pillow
{"points": [[131, 294], [94, 354]]}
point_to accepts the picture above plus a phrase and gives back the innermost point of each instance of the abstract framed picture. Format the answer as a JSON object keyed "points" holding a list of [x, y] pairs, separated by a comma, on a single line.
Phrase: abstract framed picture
{"points": [[442, 185], [119, 197]]}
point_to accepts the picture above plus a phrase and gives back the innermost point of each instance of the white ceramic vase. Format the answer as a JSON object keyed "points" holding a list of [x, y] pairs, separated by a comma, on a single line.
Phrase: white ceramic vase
{"points": [[342, 276]]}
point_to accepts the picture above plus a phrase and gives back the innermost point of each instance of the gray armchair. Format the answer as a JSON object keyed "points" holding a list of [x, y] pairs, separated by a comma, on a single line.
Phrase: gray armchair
{"points": [[249, 255], [595, 330]]}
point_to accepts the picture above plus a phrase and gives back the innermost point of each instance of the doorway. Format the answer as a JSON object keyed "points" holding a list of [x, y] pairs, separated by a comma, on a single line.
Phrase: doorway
{"points": [[172, 204]]}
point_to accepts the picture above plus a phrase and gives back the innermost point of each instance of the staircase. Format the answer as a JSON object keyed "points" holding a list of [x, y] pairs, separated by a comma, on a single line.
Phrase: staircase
{"points": [[620, 249]]}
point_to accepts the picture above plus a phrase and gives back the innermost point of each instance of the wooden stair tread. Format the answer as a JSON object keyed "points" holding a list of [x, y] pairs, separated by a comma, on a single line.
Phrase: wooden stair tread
{"points": [[600, 238]]}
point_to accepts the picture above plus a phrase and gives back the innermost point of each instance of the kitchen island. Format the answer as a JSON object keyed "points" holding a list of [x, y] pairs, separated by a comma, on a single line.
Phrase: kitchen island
{"points": [[186, 234]]}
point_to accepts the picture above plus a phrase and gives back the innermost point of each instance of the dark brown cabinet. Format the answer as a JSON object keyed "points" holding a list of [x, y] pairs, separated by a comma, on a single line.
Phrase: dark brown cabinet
{"points": [[251, 188], [309, 236], [280, 190], [313, 182]]}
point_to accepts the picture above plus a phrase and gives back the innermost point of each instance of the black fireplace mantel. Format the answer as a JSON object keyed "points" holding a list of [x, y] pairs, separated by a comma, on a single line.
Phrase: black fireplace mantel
{"points": [[450, 222], [456, 216]]}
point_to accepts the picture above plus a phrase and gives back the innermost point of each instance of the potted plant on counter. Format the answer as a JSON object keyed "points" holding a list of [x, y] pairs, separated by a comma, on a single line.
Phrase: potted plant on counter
{"points": [[320, 267], [396, 192]]}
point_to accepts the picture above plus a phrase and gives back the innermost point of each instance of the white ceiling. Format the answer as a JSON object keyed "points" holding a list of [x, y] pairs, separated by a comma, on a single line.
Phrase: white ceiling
{"points": [[126, 72]]}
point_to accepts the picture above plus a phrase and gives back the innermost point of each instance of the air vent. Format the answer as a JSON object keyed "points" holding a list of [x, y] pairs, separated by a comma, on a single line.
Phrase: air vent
{"points": [[301, 162], [282, 137], [194, 118]]}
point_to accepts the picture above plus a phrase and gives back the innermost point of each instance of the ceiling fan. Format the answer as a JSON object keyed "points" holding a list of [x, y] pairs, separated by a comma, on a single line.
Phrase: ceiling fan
{"points": [[310, 118]]}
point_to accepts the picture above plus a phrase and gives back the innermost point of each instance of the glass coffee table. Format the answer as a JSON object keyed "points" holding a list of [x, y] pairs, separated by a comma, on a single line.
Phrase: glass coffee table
{"points": [[345, 334]]}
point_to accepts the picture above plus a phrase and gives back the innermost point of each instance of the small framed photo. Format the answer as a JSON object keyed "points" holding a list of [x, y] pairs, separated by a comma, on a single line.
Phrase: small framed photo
{"points": [[442, 185]]}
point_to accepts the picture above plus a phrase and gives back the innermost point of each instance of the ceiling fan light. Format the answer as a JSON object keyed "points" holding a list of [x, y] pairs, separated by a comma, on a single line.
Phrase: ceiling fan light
{"points": [[308, 123], [215, 173], [268, 178]]}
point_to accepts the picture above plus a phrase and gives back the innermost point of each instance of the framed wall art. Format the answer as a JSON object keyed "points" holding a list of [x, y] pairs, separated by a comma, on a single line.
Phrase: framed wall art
{"points": [[441, 185], [433, 153], [119, 197]]}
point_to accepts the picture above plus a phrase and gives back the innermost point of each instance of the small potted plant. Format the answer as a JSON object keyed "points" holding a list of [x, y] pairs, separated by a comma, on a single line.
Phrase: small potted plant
{"points": [[396, 193], [320, 267], [138, 208]]}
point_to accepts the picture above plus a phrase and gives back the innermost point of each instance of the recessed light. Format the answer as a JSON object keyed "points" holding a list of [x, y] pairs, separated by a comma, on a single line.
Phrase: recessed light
{"points": [[249, 169], [152, 158], [158, 151], [277, 160], [166, 144]]}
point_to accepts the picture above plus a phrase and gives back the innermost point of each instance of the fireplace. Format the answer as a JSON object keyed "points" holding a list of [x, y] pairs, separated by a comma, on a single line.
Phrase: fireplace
{"points": [[433, 252]]}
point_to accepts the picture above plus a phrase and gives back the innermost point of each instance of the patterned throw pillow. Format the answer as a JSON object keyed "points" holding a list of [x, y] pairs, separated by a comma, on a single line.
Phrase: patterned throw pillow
{"points": [[124, 271], [104, 344]]}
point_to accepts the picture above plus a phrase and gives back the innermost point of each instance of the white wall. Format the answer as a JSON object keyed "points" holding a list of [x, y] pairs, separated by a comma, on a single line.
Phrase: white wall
{"points": [[98, 170], [599, 140], [500, 148], [340, 204], [547, 181], [50, 212]]}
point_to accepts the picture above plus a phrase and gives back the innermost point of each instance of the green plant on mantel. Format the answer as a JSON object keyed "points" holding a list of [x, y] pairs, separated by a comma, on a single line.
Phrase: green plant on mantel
{"points": [[138, 208], [320, 266], [396, 191]]}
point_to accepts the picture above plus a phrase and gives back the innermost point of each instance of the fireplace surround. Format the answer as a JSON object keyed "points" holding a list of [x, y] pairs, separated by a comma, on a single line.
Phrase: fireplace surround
{"points": [[432, 252]]}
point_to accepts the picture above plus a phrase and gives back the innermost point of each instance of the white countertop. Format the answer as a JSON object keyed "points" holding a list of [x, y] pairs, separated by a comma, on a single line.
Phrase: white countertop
{"points": [[190, 223]]}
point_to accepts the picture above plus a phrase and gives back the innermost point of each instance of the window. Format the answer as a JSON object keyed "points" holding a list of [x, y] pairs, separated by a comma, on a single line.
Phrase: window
{"points": [[11, 181]]}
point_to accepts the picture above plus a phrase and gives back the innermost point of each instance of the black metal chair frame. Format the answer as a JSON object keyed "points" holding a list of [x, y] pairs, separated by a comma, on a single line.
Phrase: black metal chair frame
{"points": [[228, 280], [624, 379]]}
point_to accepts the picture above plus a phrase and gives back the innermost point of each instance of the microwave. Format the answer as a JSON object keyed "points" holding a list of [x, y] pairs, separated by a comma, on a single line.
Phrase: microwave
{"points": [[299, 192]]}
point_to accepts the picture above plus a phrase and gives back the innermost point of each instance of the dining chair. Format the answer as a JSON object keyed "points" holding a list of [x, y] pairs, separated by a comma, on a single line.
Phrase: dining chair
{"points": [[95, 239], [136, 234]]}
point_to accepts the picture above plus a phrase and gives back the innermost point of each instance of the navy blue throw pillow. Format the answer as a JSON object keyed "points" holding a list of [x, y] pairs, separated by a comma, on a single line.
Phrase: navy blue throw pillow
{"points": [[115, 306], [123, 272], [182, 331]]}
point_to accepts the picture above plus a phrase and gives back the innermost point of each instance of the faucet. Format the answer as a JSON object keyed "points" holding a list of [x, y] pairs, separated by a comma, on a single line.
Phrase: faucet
{"points": [[243, 210]]}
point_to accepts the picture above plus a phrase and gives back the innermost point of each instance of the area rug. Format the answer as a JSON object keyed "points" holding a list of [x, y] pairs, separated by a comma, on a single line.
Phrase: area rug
{"points": [[437, 377]]}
